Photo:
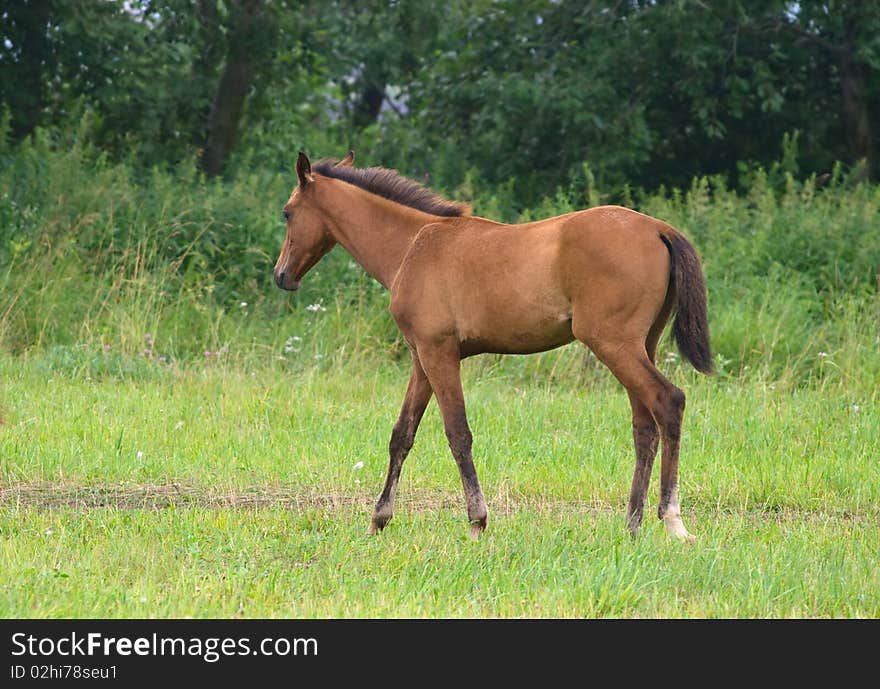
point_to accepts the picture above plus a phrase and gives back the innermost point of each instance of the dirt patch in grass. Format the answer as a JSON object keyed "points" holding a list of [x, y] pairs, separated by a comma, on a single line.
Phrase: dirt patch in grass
{"points": [[161, 496], [501, 503]]}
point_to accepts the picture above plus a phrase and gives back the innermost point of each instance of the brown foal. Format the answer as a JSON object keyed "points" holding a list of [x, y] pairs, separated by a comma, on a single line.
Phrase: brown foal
{"points": [[462, 285]]}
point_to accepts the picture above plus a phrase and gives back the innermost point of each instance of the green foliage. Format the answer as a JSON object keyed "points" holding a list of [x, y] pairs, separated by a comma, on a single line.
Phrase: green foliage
{"points": [[89, 363], [97, 253], [149, 69], [522, 92], [645, 92]]}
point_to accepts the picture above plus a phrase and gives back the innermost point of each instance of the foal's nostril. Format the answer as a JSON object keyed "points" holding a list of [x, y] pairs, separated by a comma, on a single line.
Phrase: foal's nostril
{"points": [[279, 279]]}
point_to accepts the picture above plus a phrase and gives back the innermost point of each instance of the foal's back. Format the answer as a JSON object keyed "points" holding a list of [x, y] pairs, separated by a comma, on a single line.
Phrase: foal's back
{"points": [[514, 288]]}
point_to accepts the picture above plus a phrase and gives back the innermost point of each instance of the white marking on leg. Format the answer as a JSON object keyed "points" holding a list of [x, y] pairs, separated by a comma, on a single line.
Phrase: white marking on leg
{"points": [[672, 520]]}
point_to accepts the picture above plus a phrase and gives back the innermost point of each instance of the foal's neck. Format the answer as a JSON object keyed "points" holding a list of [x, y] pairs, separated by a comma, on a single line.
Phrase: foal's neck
{"points": [[375, 231]]}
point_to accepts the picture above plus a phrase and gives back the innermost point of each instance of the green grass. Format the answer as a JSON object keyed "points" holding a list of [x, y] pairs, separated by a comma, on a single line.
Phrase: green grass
{"points": [[213, 490], [532, 562]]}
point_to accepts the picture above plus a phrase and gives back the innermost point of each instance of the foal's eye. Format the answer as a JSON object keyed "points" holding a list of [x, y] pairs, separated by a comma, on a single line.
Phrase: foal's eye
{"points": [[286, 215]]}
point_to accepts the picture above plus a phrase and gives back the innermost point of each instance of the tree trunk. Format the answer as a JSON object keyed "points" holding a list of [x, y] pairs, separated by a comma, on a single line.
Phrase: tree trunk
{"points": [[204, 66], [232, 91], [366, 112], [25, 80], [859, 134], [854, 94]]}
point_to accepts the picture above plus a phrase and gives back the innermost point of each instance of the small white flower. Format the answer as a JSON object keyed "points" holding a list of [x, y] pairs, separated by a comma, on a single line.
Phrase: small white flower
{"points": [[855, 409], [48, 532], [140, 455], [822, 355], [359, 465], [314, 308], [293, 344], [178, 425], [243, 305], [143, 599]]}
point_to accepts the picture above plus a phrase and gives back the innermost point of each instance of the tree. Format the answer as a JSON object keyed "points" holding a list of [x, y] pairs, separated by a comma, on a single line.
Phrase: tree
{"points": [[523, 92], [247, 44], [26, 55], [847, 35], [527, 91], [165, 80]]}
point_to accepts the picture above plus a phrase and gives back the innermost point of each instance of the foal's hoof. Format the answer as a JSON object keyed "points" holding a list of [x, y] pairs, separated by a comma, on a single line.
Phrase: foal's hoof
{"points": [[377, 524], [478, 526], [676, 528], [632, 527]]}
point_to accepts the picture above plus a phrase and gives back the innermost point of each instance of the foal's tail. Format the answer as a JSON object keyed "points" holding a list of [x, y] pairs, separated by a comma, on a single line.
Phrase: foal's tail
{"points": [[690, 329]]}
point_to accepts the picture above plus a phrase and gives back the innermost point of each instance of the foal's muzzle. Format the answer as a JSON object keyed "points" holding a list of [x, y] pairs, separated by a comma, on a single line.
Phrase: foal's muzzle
{"points": [[281, 279]]}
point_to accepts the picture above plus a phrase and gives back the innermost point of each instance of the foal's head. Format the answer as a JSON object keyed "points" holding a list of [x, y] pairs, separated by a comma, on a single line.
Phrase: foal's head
{"points": [[307, 239]]}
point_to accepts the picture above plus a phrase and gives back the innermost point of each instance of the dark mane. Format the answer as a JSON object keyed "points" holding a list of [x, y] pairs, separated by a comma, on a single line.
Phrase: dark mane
{"points": [[393, 186]]}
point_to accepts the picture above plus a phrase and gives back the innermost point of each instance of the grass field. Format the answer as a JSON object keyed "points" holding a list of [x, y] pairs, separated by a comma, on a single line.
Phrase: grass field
{"points": [[214, 490], [181, 438]]}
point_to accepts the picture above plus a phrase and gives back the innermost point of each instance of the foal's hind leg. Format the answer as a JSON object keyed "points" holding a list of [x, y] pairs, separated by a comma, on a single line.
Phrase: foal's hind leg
{"points": [[442, 363], [645, 437], [645, 433], [418, 394], [630, 364]]}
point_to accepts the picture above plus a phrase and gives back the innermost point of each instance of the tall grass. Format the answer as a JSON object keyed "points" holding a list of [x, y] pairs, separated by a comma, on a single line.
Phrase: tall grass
{"points": [[106, 268]]}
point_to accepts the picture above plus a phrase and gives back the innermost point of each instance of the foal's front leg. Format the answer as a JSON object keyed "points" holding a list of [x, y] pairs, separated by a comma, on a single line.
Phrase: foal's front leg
{"points": [[442, 364], [418, 394]]}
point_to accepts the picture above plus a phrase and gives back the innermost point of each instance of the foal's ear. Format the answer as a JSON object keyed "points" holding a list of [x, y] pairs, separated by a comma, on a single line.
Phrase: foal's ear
{"points": [[348, 161], [304, 169]]}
